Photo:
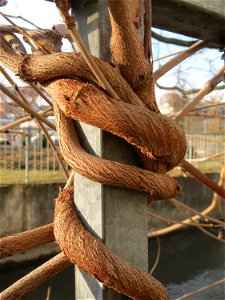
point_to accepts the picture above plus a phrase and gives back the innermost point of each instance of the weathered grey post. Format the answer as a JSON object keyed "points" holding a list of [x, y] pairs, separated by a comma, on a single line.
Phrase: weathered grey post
{"points": [[117, 216]]}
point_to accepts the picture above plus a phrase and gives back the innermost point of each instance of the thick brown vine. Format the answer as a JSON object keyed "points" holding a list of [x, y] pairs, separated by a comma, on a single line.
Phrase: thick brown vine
{"points": [[134, 117]]}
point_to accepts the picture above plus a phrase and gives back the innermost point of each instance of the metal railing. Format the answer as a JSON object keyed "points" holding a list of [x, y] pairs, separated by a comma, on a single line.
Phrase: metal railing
{"points": [[28, 152]]}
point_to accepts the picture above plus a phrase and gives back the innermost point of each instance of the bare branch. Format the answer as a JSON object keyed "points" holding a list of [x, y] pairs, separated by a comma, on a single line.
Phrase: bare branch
{"points": [[173, 41], [7, 127], [28, 36], [157, 256], [178, 59], [210, 116], [26, 240], [212, 105], [25, 20], [36, 277], [25, 106], [206, 89], [166, 56], [187, 295], [69, 21], [38, 90], [187, 92], [203, 178]]}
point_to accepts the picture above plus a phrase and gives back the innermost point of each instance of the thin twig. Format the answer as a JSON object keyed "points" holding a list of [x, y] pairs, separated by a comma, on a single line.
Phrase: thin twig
{"points": [[171, 221], [48, 293], [206, 89], [25, 106], [178, 59], [207, 158], [185, 296], [204, 179], [203, 230], [40, 124], [169, 55], [207, 116], [203, 215], [38, 90], [212, 105], [36, 277], [70, 23], [52, 144], [70, 180], [27, 35], [16, 123], [157, 256], [25, 20]]}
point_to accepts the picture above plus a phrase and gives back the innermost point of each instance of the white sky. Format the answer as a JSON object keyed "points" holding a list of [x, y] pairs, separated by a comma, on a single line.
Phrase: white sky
{"points": [[195, 70], [40, 12]]}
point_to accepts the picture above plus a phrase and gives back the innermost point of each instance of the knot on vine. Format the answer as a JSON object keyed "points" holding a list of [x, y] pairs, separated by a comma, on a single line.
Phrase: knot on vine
{"points": [[159, 141]]}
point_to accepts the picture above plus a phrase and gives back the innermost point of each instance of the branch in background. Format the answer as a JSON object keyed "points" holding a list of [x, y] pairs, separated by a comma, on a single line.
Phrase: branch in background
{"points": [[157, 257], [178, 42], [173, 41], [33, 279], [25, 20], [7, 127], [39, 123], [187, 295], [176, 88], [185, 92], [212, 105], [39, 91], [13, 41], [210, 116], [204, 179], [25, 106], [205, 90], [11, 28], [48, 293], [166, 56], [27, 35], [178, 59], [206, 232], [70, 23]]}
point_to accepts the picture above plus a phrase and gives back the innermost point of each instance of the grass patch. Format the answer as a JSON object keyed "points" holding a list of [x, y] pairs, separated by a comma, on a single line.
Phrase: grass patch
{"points": [[8, 176]]}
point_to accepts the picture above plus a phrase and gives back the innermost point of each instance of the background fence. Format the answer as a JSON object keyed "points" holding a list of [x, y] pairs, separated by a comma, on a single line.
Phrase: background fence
{"points": [[26, 156]]}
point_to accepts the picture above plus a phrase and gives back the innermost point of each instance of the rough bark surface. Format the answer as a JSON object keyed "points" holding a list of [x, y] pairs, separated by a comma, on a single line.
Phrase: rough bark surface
{"points": [[88, 253], [35, 278], [134, 117], [159, 186], [26, 240]]}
